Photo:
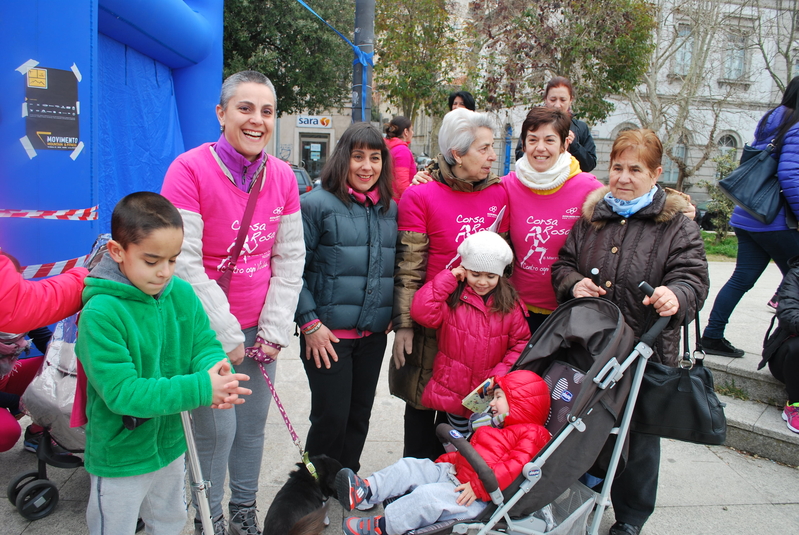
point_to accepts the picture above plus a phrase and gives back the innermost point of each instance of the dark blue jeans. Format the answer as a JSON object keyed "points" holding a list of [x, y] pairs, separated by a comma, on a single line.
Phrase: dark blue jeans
{"points": [[755, 249]]}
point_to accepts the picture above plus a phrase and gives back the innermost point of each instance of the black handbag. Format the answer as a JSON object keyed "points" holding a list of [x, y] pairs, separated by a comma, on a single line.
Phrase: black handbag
{"points": [[754, 185], [680, 403]]}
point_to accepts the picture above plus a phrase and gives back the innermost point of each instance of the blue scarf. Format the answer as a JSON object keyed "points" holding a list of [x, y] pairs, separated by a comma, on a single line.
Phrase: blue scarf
{"points": [[628, 208]]}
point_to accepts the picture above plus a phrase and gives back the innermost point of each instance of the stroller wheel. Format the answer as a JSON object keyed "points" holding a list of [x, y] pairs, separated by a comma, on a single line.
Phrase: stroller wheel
{"points": [[18, 482], [37, 499]]}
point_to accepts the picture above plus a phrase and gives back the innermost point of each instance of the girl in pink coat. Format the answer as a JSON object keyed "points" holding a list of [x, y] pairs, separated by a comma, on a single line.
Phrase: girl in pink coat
{"points": [[480, 322]]}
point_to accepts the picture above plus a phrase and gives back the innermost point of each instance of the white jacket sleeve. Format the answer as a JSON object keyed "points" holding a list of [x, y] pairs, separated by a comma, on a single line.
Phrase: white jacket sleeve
{"points": [[190, 268], [288, 262]]}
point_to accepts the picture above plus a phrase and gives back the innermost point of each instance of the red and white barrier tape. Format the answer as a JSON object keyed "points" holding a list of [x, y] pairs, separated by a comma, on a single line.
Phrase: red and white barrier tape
{"points": [[52, 268], [82, 214]]}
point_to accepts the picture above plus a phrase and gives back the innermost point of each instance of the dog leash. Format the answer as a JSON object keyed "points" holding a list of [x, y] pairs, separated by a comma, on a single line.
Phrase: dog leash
{"points": [[262, 358]]}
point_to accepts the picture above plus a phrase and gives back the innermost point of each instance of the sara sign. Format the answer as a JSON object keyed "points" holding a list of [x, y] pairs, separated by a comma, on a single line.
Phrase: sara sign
{"points": [[314, 121]]}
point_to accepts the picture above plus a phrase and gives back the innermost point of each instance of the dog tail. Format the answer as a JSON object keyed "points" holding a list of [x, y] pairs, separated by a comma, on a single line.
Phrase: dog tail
{"points": [[310, 524]]}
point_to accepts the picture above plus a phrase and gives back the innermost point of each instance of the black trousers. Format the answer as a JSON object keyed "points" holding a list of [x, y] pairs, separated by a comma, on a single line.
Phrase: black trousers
{"points": [[784, 366], [342, 398], [420, 433], [635, 490]]}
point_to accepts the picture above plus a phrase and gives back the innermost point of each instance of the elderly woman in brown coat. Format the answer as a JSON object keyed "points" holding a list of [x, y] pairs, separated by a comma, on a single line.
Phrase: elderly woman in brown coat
{"points": [[633, 231]]}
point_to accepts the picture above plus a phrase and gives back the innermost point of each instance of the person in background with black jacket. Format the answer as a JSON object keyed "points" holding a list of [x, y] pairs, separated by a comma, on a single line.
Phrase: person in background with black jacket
{"points": [[781, 351], [559, 94], [461, 99], [346, 302]]}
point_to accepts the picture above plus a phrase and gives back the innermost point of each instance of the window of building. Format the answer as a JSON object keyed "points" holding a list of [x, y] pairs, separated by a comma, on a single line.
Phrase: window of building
{"points": [[671, 172], [727, 143], [685, 52], [735, 57]]}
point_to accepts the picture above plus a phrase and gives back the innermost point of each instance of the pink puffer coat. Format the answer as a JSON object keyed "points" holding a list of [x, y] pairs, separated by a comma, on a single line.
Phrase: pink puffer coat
{"points": [[474, 342]]}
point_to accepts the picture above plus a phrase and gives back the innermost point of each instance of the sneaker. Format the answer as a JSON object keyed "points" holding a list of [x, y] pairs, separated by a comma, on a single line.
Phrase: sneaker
{"points": [[774, 301], [220, 526], [791, 416], [721, 347], [243, 519], [352, 490], [356, 525], [620, 528], [32, 440]]}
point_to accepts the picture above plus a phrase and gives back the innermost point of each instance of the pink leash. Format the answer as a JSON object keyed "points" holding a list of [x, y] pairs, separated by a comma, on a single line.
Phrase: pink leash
{"points": [[262, 358]]}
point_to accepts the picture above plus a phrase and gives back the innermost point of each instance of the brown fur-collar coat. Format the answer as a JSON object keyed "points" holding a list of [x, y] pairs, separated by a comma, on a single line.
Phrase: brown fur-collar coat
{"points": [[658, 245]]}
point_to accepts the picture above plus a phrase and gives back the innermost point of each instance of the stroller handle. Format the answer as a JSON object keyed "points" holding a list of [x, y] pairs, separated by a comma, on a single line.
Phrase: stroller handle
{"points": [[651, 335], [487, 476]]}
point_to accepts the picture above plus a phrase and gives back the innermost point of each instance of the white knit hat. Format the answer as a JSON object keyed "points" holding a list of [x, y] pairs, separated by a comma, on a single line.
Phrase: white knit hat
{"points": [[485, 251]]}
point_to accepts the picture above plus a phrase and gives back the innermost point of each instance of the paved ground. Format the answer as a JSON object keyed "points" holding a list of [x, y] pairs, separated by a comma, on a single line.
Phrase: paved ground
{"points": [[709, 490]]}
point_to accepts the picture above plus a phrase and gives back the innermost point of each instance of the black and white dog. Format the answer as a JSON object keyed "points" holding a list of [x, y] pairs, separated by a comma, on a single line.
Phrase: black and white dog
{"points": [[299, 506]]}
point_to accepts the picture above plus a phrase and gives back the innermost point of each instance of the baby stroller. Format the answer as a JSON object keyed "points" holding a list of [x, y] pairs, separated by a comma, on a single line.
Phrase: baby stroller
{"points": [[582, 351]]}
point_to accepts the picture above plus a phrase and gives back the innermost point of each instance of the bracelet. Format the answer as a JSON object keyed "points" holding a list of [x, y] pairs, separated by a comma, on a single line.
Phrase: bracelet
{"points": [[315, 327], [310, 325]]}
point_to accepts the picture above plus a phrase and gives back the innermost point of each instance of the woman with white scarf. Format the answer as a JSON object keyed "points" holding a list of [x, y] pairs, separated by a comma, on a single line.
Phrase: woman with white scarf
{"points": [[546, 193]]}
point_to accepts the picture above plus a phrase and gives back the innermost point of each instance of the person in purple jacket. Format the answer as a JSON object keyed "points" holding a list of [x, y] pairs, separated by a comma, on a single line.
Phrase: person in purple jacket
{"points": [[758, 243]]}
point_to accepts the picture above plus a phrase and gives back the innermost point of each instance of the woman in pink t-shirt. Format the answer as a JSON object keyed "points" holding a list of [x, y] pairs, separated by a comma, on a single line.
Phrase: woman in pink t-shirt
{"points": [[546, 194], [211, 186], [464, 196]]}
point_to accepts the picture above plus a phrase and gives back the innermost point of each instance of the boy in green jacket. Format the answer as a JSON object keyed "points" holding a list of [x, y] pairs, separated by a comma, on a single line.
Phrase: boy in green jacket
{"points": [[148, 351]]}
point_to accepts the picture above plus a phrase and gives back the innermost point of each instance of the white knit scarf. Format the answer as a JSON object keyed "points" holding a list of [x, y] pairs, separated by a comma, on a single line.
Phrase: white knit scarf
{"points": [[552, 178]]}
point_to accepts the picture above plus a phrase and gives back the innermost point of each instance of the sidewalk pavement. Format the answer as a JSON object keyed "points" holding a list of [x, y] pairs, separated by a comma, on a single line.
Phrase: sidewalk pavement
{"points": [[710, 490]]}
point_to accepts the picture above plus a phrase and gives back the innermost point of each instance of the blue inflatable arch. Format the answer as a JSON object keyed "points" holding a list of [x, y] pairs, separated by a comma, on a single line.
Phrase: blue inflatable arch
{"points": [[99, 96]]}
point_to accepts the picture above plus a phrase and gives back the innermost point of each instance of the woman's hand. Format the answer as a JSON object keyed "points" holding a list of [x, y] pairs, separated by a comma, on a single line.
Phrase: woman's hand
{"points": [[319, 344], [403, 344], [460, 273], [587, 288], [467, 495], [569, 139], [421, 177], [236, 355], [664, 301]]}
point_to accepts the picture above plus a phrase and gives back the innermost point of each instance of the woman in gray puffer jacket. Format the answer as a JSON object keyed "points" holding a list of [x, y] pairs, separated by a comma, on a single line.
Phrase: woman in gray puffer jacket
{"points": [[345, 305], [635, 231]]}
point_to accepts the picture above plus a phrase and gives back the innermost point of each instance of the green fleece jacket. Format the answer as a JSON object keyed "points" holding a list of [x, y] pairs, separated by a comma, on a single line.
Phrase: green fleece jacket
{"points": [[143, 357]]}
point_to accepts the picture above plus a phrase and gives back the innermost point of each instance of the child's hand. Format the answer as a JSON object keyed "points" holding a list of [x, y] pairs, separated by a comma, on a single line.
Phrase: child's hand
{"points": [[225, 386], [460, 273], [487, 389], [467, 496]]}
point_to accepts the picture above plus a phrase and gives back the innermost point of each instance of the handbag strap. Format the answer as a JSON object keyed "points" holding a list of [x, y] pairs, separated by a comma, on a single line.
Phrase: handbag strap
{"points": [[688, 360], [229, 267]]}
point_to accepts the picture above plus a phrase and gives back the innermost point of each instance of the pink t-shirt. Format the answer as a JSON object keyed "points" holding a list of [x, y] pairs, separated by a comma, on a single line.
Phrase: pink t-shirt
{"points": [[448, 217], [194, 182], [539, 226]]}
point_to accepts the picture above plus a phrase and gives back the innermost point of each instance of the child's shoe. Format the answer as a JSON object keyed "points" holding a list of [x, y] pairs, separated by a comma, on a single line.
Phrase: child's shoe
{"points": [[243, 519], [32, 440], [373, 525], [774, 301], [352, 490], [791, 416]]}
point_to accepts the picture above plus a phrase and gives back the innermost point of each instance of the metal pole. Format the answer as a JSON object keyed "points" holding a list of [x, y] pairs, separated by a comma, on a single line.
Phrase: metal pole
{"points": [[199, 486], [364, 40]]}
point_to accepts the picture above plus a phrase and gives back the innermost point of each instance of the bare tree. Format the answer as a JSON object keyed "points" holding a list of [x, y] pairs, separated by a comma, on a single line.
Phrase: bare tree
{"points": [[777, 38], [685, 94]]}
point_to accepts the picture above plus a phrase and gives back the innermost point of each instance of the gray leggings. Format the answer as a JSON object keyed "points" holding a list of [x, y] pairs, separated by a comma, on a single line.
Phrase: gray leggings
{"points": [[232, 440]]}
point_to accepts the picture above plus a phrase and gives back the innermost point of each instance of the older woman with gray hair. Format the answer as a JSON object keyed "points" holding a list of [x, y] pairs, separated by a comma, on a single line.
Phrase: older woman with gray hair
{"points": [[248, 281], [463, 197]]}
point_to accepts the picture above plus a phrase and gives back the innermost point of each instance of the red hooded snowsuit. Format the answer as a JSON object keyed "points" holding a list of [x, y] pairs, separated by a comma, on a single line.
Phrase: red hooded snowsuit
{"points": [[506, 450]]}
